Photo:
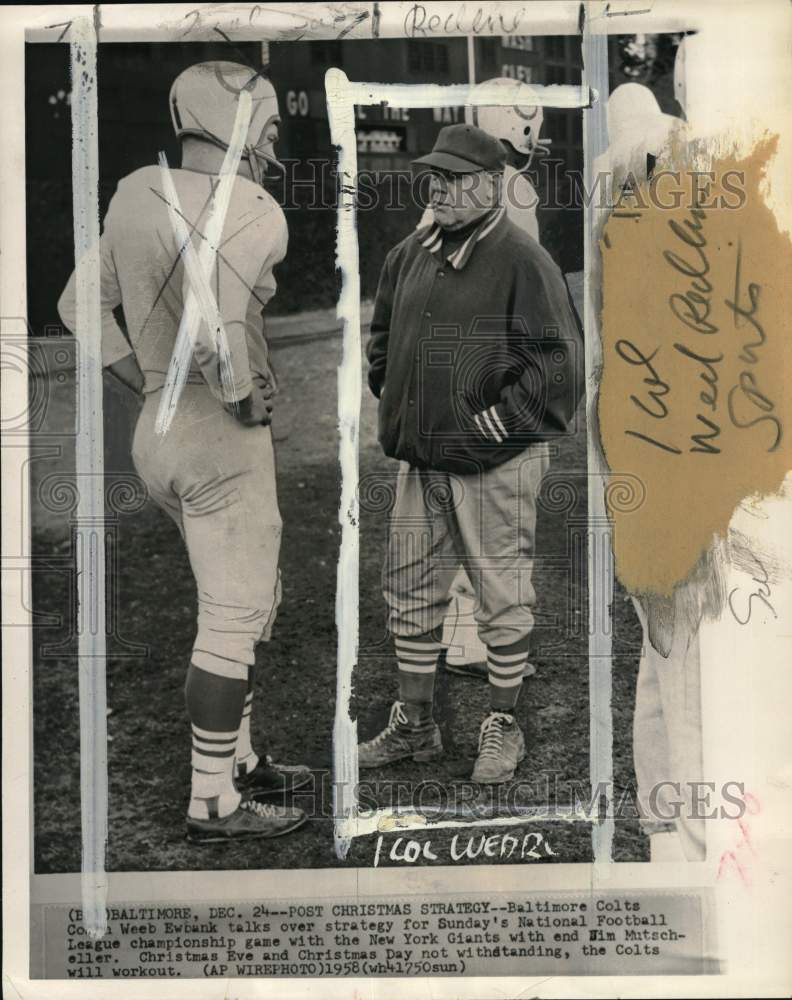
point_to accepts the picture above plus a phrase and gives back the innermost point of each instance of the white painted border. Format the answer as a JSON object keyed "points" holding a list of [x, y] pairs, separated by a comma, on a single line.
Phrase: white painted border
{"points": [[342, 96], [599, 550], [390, 19], [341, 115], [89, 476]]}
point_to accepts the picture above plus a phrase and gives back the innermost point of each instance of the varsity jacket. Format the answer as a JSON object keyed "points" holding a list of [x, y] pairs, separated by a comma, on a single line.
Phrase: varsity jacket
{"points": [[476, 356]]}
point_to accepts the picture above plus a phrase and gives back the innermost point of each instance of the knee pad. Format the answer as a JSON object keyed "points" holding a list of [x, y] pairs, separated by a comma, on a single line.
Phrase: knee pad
{"points": [[228, 634]]}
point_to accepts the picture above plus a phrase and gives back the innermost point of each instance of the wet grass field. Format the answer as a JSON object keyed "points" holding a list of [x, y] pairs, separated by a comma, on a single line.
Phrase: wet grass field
{"points": [[153, 610]]}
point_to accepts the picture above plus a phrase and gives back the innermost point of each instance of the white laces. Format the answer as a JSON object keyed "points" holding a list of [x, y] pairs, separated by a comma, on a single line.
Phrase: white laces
{"points": [[264, 809], [397, 718], [491, 734], [285, 768]]}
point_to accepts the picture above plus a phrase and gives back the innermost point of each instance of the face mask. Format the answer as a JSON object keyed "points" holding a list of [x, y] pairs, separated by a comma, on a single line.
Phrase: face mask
{"points": [[261, 158], [263, 164]]}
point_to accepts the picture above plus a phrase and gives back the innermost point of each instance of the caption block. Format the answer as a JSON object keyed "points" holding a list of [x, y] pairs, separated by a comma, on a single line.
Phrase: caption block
{"points": [[503, 934]]}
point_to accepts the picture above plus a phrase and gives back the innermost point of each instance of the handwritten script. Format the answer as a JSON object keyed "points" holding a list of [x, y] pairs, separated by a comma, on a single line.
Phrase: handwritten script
{"points": [[703, 344], [692, 402]]}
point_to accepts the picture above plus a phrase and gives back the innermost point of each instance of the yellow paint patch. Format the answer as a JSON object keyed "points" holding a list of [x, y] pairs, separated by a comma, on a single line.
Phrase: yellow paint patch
{"points": [[696, 317]]}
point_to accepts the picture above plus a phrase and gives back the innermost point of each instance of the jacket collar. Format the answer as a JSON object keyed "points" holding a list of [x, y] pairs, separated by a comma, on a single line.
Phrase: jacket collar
{"points": [[430, 236]]}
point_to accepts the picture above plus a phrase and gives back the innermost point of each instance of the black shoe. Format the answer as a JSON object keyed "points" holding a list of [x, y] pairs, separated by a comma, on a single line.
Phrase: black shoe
{"points": [[269, 778], [250, 820], [473, 671]]}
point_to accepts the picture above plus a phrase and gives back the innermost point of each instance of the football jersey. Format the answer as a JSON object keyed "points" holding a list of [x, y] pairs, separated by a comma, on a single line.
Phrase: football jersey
{"points": [[142, 270]]}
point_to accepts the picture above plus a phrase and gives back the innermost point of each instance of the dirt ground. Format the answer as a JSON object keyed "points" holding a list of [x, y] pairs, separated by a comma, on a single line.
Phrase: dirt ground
{"points": [[153, 596]]}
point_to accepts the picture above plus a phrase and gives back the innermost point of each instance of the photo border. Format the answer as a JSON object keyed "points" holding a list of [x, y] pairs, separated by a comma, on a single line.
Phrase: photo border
{"points": [[342, 97], [134, 23]]}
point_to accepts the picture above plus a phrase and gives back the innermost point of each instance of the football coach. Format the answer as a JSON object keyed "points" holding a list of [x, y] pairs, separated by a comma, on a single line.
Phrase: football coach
{"points": [[476, 357]]}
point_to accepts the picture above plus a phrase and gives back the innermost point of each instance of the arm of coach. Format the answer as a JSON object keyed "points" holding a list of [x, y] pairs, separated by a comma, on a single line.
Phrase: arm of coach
{"points": [[377, 348], [542, 400]]}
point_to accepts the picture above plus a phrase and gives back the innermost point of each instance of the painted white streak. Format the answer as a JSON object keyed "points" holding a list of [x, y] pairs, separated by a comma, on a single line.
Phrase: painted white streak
{"points": [[403, 820], [436, 19], [200, 303], [89, 465], [342, 96], [436, 95], [471, 61], [600, 556], [341, 116], [201, 300]]}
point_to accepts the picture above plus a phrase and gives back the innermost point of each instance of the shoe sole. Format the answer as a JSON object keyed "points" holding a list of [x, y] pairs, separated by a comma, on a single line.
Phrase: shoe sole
{"points": [[504, 779], [199, 839], [420, 756]]}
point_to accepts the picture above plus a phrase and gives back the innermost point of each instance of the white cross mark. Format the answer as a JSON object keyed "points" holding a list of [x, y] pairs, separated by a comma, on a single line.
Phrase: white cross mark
{"points": [[200, 302]]}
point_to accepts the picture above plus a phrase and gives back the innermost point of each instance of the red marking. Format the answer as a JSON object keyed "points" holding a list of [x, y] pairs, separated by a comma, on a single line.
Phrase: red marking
{"points": [[752, 808], [730, 856], [746, 836]]}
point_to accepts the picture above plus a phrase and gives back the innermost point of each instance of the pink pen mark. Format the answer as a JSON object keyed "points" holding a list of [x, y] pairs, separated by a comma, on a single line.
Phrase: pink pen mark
{"points": [[729, 857], [738, 858]]}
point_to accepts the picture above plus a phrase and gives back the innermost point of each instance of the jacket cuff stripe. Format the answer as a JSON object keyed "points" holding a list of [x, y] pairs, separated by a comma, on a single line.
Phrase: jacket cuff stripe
{"points": [[479, 425], [497, 421], [486, 417]]}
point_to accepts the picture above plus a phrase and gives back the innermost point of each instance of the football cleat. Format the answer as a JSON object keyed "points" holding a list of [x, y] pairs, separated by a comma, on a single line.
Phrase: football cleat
{"points": [[501, 748], [269, 778], [399, 740], [250, 820]]}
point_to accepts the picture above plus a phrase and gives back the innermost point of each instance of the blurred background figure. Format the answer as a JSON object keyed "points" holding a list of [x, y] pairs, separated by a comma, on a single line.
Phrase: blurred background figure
{"points": [[667, 740], [638, 134], [518, 126]]}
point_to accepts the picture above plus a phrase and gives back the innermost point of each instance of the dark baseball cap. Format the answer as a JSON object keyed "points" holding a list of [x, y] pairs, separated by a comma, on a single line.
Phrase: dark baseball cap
{"points": [[465, 149]]}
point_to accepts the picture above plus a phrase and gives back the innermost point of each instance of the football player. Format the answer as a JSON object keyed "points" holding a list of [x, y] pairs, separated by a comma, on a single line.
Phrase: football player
{"points": [[212, 470]]}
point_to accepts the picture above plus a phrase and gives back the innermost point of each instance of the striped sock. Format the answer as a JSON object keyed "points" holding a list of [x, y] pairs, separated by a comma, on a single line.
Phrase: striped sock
{"points": [[506, 666], [214, 704], [213, 793], [246, 757], [417, 656]]}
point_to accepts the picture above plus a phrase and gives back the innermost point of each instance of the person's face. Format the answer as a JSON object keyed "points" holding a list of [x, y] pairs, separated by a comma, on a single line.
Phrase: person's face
{"points": [[265, 147], [458, 199]]}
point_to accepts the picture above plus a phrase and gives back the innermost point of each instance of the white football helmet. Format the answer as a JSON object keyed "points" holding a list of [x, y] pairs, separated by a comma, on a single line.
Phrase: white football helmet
{"points": [[203, 103], [691, 78], [519, 122], [633, 113], [637, 130]]}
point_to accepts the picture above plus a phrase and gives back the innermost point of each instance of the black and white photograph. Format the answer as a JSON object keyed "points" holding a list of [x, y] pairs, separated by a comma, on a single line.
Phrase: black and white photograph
{"points": [[203, 743], [396, 489], [222, 638], [477, 539]]}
